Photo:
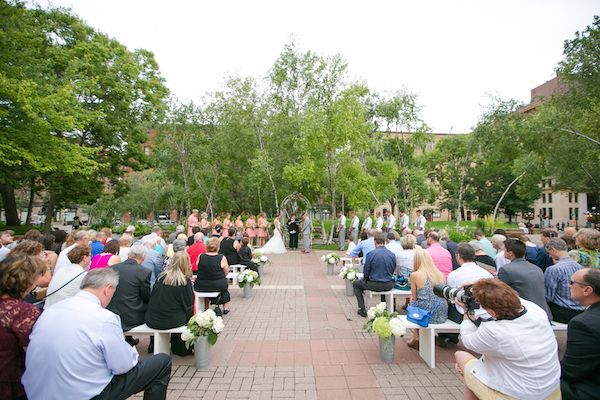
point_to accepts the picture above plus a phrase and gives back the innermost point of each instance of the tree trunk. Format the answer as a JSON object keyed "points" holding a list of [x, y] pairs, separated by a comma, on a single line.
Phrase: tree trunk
{"points": [[30, 205], [10, 205], [323, 233], [333, 215], [50, 213], [502, 198]]}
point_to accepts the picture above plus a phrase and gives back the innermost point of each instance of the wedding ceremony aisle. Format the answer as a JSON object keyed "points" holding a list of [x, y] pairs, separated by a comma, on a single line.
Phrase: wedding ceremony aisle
{"points": [[299, 337]]}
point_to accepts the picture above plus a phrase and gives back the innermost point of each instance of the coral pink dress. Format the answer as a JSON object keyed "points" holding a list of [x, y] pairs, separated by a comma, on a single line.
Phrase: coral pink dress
{"points": [[192, 222], [250, 228], [262, 230], [226, 225]]}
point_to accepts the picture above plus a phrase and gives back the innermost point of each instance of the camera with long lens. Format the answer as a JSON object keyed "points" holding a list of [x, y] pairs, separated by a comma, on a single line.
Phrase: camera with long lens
{"points": [[463, 295]]}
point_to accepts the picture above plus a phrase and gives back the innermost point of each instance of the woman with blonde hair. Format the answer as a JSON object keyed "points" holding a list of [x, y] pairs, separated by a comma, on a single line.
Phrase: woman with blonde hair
{"points": [[424, 277], [172, 300]]}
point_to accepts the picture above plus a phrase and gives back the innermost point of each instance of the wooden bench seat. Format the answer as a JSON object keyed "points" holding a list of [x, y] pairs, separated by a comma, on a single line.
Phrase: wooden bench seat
{"points": [[427, 336]]}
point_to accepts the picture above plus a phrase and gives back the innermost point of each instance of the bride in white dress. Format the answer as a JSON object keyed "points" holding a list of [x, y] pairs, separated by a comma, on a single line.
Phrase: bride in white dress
{"points": [[275, 245]]}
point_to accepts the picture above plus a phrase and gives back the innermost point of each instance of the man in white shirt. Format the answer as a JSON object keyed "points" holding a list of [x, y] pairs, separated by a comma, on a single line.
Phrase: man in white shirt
{"points": [[393, 245], [341, 231], [404, 221], [467, 273], [420, 221], [391, 221], [367, 223], [378, 220], [81, 239], [77, 351], [354, 224]]}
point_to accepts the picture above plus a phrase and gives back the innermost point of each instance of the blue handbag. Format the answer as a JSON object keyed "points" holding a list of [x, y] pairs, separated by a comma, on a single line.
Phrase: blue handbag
{"points": [[419, 316], [401, 283]]}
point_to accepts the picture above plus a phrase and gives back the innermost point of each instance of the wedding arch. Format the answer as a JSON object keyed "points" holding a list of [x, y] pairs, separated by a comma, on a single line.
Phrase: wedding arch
{"points": [[295, 203]]}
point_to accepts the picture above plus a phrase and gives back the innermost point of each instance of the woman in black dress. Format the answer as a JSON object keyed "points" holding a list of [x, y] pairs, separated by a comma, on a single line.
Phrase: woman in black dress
{"points": [[211, 275], [245, 255], [172, 300], [229, 247]]}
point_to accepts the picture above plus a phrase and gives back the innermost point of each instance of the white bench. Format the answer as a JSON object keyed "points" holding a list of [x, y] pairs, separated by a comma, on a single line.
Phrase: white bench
{"points": [[389, 296], [237, 268], [427, 336], [200, 296], [233, 277], [162, 338]]}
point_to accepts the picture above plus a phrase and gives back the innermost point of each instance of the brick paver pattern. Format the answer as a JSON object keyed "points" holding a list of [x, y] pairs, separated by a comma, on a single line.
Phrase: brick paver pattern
{"points": [[299, 337]]}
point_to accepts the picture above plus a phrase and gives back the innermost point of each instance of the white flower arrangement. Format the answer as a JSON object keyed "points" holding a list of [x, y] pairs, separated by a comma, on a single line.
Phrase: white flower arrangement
{"points": [[203, 324], [383, 323], [260, 259], [248, 277], [331, 258], [350, 274]]}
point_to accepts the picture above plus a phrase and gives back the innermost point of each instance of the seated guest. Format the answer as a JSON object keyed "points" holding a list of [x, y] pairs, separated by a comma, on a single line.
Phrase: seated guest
{"points": [[467, 273], [131, 297], [519, 351], [524, 277], [393, 244], [125, 243], [172, 300], [66, 282], [570, 241], [481, 258], [486, 245], [153, 261], [170, 251], [364, 247], [531, 249], [407, 255], [80, 238], [211, 275], [97, 240], [425, 276], [557, 278], [17, 279], [245, 255], [191, 239], [109, 256], [59, 239], [196, 249], [174, 235], [77, 350], [177, 246], [498, 243], [420, 237], [229, 247], [587, 253], [542, 259], [378, 272], [35, 249], [50, 256], [441, 257], [450, 245], [581, 362]]}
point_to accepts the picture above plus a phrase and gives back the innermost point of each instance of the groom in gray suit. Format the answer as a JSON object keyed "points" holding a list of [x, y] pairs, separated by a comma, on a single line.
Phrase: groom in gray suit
{"points": [[306, 232]]}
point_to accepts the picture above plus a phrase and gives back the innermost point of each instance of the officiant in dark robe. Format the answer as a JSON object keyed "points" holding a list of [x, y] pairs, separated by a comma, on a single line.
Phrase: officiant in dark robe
{"points": [[293, 230]]}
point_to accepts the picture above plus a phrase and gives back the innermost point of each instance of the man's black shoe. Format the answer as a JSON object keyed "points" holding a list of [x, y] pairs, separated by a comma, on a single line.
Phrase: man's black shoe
{"points": [[445, 341], [362, 312], [218, 311], [132, 341]]}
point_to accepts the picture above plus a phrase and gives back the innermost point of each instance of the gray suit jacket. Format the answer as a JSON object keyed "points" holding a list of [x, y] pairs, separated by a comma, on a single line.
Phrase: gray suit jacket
{"points": [[528, 280], [307, 226]]}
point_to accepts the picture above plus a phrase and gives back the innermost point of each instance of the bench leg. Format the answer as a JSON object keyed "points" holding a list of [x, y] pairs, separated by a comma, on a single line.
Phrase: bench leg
{"points": [[427, 346], [162, 343], [389, 300]]}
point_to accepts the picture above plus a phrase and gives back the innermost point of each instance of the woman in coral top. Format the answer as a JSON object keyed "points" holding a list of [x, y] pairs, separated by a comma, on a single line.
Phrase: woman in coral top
{"points": [[239, 227], [226, 224], [250, 228], [262, 229]]}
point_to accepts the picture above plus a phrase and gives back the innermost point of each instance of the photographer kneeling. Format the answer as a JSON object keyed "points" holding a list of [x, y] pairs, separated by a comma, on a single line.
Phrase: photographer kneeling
{"points": [[519, 352]]}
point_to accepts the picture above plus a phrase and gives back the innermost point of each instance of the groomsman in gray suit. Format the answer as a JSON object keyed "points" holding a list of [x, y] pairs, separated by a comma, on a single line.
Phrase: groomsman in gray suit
{"points": [[306, 232], [341, 230]]}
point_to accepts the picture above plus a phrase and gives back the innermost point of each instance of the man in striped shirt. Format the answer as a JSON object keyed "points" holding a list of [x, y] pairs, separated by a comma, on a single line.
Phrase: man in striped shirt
{"points": [[557, 279]]}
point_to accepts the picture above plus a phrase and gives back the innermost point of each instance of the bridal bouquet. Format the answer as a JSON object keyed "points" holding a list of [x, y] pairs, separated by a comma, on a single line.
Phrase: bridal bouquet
{"points": [[203, 324], [348, 273], [248, 277], [383, 323], [331, 258]]}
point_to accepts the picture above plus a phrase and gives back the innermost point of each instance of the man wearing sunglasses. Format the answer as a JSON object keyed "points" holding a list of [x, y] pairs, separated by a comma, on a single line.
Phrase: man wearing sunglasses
{"points": [[580, 378]]}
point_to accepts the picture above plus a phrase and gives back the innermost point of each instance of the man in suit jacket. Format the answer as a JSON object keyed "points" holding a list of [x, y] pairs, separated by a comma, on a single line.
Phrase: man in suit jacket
{"points": [[293, 229], [131, 297], [526, 278], [580, 377], [306, 232]]}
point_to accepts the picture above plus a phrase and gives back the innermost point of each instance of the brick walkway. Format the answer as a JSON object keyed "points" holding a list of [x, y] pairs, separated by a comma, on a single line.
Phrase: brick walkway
{"points": [[299, 337]]}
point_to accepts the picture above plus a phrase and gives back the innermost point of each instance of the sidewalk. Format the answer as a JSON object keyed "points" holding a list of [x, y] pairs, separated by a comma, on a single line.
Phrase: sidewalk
{"points": [[299, 337]]}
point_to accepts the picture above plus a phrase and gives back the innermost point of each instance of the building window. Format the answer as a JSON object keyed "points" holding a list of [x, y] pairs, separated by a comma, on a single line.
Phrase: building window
{"points": [[576, 195], [550, 214], [576, 216], [543, 197], [570, 197], [570, 212], [544, 211], [549, 197]]}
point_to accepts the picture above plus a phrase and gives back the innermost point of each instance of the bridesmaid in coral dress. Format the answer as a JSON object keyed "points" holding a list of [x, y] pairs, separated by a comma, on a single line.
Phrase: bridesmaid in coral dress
{"points": [[226, 224], [262, 229], [250, 229], [239, 227], [216, 221]]}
